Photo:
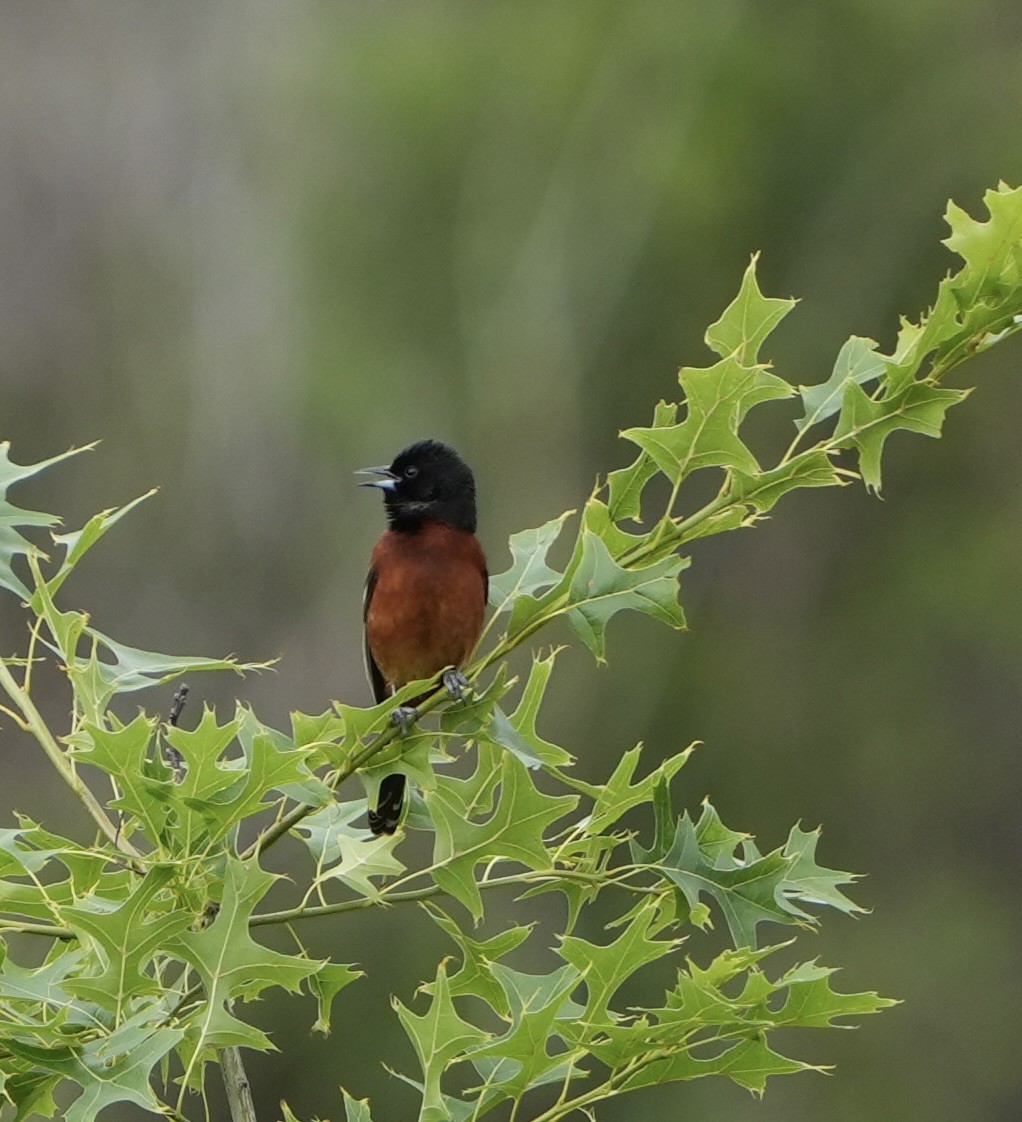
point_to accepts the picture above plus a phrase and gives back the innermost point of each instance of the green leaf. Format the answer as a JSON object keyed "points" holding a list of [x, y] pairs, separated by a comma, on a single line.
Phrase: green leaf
{"points": [[761, 492], [536, 1001], [810, 882], [627, 484], [124, 753], [232, 964], [476, 976], [12, 543], [513, 832], [992, 250], [747, 321], [326, 984], [128, 937], [600, 588], [619, 794], [748, 892], [109, 1071], [607, 967], [440, 1037], [356, 1110], [134, 669], [109, 1068], [749, 1064], [345, 853], [77, 543], [716, 398], [529, 570], [518, 733], [857, 362], [866, 424]]}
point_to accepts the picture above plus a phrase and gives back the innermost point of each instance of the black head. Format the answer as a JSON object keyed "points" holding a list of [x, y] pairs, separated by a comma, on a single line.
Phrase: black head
{"points": [[427, 482]]}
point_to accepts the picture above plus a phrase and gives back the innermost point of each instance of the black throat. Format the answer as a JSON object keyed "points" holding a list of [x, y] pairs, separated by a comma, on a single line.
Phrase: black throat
{"points": [[408, 516]]}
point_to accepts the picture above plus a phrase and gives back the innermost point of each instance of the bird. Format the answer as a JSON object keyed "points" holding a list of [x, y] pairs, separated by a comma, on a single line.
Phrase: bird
{"points": [[426, 590]]}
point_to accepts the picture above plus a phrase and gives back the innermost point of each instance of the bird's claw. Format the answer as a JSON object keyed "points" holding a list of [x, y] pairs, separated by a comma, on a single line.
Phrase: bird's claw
{"points": [[455, 683], [404, 717]]}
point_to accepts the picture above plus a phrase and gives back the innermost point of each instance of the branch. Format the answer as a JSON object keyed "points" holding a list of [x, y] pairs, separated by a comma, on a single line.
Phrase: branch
{"points": [[530, 878], [239, 1094]]}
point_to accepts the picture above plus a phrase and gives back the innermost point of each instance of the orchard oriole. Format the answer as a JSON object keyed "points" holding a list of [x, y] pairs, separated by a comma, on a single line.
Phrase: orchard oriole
{"points": [[426, 591]]}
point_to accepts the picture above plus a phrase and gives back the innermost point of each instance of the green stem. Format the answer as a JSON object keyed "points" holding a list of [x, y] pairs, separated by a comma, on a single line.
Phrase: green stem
{"points": [[48, 929], [415, 894]]}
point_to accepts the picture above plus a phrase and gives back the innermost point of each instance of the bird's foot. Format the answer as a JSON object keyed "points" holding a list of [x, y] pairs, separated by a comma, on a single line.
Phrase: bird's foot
{"points": [[404, 717], [455, 683]]}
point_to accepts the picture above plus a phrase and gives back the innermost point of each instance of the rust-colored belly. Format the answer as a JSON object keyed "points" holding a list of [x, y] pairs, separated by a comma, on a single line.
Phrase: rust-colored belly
{"points": [[427, 606]]}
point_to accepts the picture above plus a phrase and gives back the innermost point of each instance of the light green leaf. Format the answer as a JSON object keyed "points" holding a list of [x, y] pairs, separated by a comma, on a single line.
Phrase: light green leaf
{"points": [[992, 250], [77, 543], [627, 484], [812, 1003], [866, 424], [232, 964], [529, 570], [128, 936], [747, 321], [440, 1038], [134, 669], [326, 984], [716, 398], [761, 492], [356, 1110], [612, 800], [606, 967], [109, 1073], [748, 892], [346, 853], [600, 588], [858, 362], [518, 733], [748, 1063], [124, 753], [536, 1002], [12, 543], [478, 956], [811, 883], [514, 831]]}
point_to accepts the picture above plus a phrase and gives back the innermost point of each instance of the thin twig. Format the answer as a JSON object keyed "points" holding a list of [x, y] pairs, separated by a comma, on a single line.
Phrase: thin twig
{"points": [[51, 930], [175, 760]]}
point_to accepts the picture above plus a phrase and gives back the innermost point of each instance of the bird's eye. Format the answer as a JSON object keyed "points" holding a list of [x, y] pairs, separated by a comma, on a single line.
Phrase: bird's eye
{"points": [[411, 471]]}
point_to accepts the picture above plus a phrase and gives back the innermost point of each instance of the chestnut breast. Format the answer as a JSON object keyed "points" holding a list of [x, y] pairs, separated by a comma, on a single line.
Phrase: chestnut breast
{"points": [[427, 601]]}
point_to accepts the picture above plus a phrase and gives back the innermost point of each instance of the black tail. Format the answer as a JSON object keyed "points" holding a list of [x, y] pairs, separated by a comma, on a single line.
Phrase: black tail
{"points": [[384, 819]]}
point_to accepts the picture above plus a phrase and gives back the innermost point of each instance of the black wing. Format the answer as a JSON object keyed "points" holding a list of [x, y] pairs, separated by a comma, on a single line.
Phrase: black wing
{"points": [[376, 680]]}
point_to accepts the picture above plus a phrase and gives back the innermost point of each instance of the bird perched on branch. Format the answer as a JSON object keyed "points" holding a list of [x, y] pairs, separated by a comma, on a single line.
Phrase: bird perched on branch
{"points": [[426, 591]]}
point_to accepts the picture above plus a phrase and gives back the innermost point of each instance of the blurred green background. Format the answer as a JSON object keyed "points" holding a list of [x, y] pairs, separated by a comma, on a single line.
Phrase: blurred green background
{"points": [[254, 247]]}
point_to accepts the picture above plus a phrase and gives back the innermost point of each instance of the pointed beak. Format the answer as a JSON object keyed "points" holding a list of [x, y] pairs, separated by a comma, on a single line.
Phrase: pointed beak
{"points": [[387, 483]]}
